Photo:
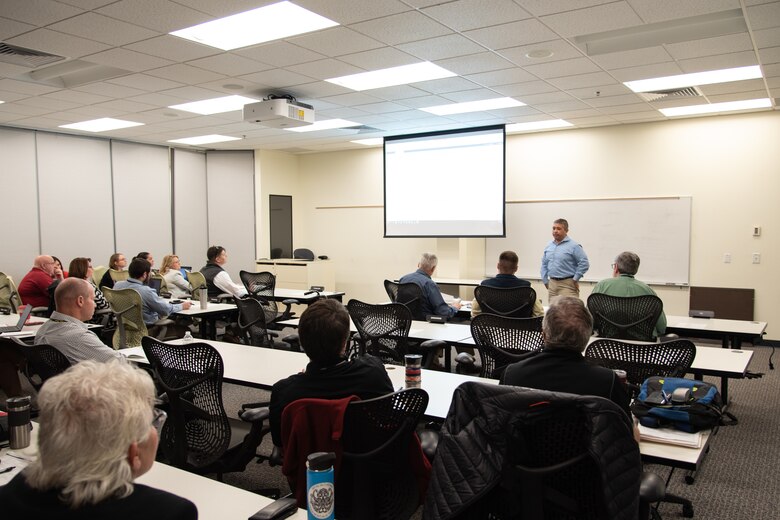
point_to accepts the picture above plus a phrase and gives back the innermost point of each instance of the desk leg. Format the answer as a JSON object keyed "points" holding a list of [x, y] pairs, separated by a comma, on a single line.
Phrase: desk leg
{"points": [[724, 391]]}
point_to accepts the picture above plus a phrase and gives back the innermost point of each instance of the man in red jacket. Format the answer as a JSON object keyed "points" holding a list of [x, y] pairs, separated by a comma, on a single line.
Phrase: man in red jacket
{"points": [[34, 287]]}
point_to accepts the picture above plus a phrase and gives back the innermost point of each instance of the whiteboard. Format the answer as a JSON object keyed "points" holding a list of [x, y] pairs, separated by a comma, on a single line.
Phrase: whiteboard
{"points": [[657, 229]]}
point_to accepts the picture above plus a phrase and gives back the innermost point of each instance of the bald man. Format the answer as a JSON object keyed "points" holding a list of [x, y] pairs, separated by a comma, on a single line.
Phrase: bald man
{"points": [[66, 330], [34, 287]]}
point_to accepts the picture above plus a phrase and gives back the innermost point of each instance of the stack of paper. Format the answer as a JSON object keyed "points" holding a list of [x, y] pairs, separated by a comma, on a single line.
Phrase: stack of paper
{"points": [[670, 436]]}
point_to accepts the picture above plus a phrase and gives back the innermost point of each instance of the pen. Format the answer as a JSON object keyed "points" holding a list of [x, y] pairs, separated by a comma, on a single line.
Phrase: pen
{"points": [[6, 470]]}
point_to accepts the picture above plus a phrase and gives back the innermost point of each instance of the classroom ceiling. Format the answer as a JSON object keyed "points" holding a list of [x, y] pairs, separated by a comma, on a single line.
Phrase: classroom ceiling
{"points": [[487, 43]]}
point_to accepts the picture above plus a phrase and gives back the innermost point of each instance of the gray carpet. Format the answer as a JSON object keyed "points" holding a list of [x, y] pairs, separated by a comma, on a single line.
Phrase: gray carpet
{"points": [[738, 479]]}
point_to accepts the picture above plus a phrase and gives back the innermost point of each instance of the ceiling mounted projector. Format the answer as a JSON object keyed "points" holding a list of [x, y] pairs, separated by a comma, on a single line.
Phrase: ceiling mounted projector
{"points": [[279, 113]]}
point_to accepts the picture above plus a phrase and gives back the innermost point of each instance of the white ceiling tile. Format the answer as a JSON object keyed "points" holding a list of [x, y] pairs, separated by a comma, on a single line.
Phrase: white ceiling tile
{"points": [[280, 54], [475, 63], [611, 101], [663, 10], [635, 117], [710, 46], [10, 28], [401, 28], [336, 41], [351, 11], [767, 38], [352, 99], [589, 121], [556, 69], [441, 47], [278, 78], [561, 50], [111, 90], [103, 29], [25, 87], [320, 89], [718, 89], [379, 58], [173, 48], [26, 110], [39, 12], [424, 101], [160, 100], [442, 86], [124, 105], [398, 92], [86, 4], [382, 108], [51, 121], [57, 43], [229, 64], [130, 60], [340, 113], [463, 96], [145, 82], [600, 18], [222, 8], [183, 74], [764, 16], [721, 61], [9, 70], [7, 96], [615, 89], [544, 7], [633, 58], [770, 71], [582, 81], [770, 55], [738, 96], [159, 15], [501, 77], [49, 104], [625, 109], [525, 88], [463, 15], [561, 106], [656, 70], [191, 93], [545, 98], [512, 34], [324, 69]]}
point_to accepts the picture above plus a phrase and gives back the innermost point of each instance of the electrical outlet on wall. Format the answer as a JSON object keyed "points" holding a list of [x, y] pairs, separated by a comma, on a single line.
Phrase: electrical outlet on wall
{"points": [[726, 258], [756, 258]]}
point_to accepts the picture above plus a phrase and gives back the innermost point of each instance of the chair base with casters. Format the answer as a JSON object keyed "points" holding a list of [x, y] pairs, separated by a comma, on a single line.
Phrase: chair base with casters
{"points": [[197, 435]]}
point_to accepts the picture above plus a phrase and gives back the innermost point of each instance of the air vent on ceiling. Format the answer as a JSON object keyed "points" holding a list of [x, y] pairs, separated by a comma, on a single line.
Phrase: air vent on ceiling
{"points": [[26, 57], [672, 93]]}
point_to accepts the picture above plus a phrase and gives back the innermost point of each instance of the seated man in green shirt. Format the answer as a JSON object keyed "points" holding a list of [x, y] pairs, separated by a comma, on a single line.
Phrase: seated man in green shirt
{"points": [[624, 284]]}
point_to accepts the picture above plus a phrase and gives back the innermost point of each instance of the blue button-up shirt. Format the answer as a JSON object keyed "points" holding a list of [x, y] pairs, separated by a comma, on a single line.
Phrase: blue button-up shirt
{"points": [[153, 305], [566, 259], [432, 302]]}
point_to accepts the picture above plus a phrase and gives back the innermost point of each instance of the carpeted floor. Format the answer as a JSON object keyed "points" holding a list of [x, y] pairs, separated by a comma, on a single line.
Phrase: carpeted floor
{"points": [[738, 479]]}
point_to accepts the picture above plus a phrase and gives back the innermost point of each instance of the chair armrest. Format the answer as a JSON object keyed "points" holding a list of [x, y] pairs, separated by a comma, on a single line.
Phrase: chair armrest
{"points": [[164, 321], [429, 441], [39, 311], [432, 344], [253, 415], [464, 358], [290, 301], [651, 488]]}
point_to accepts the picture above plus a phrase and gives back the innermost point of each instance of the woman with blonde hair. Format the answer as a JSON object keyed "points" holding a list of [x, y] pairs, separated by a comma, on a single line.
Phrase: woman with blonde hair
{"points": [[171, 271]]}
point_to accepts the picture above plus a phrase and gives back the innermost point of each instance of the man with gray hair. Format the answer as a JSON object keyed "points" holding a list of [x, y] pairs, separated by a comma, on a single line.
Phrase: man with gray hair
{"points": [[98, 432], [561, 367], [432, 300], [624, 284]]}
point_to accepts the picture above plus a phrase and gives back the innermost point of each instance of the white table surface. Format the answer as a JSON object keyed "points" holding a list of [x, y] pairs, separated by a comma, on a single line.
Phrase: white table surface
{"points": [[459, 281], [27, 331], [211, 308], [715, 325], [450, 332], [282, 293]]}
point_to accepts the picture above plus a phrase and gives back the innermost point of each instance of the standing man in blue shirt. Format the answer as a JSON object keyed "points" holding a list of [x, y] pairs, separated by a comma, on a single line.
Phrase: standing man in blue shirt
{"points": [[432, 301], [564, 263]]}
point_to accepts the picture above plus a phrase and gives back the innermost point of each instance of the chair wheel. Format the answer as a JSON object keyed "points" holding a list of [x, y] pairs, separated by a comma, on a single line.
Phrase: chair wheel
{"points": [[688, 511], [690, 479]]}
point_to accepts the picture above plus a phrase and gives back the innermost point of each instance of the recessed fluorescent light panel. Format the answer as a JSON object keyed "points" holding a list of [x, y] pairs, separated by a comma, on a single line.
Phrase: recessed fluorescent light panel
{"points": [[101, 125], [473, 106], [328, 124], [204, 139], [695, 79], [374, 141], [729, 106], [264, 24], [218, 105], [537, 125], [402, 75]]}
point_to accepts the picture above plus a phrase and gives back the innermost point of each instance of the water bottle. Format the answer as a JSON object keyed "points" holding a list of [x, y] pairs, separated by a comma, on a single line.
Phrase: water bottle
{"points": [[187, 337], [204, 298], [19, 422], [320, 493]]}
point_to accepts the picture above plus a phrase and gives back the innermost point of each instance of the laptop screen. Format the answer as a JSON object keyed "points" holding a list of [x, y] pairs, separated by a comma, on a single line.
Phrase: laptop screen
{"points": [[185, 270], [155, 283]]}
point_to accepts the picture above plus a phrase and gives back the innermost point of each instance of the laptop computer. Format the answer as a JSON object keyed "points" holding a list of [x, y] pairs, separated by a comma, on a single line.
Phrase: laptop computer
{"points": [[156, 284], [19, 324]]}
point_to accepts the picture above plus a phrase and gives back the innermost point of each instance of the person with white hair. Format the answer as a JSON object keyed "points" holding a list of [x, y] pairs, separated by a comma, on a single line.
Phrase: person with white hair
{"points": [[432, 301], [98, 432]]}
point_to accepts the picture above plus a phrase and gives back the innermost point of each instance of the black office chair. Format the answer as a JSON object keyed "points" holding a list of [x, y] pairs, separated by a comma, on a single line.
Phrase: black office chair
{"points": [[512, 302], [409, 294], [261, 286], [541, 455], [501, 341], [303, 254], [383, 331], [41, 361], [252, 316], [630, 317], [9, 297], [197, 435], [379, 468]]}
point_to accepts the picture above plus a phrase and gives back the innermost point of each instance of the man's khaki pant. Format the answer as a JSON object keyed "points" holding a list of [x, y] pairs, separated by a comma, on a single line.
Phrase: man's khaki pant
{"points": [[565, 287]]}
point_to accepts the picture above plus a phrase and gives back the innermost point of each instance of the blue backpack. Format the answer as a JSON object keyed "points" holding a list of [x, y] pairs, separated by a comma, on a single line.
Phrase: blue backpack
{"points": [[685, 404]]}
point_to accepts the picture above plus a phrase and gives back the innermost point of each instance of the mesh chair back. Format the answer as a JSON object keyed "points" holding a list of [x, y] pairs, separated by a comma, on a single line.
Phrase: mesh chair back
{"points": [[118, 276], [643, 360], [259, 284], [97, 274], [253, 321], [41, 361], [502, 341], [409, 294], [375, 465], [198, 432], [197, 282], [513, 302], [128, 310], [383, 329], [9, 298], [631, 317]]}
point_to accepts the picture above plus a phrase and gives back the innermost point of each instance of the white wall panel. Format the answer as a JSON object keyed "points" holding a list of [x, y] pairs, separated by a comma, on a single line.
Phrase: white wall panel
{"points": [[190, 218], [74, 185]]}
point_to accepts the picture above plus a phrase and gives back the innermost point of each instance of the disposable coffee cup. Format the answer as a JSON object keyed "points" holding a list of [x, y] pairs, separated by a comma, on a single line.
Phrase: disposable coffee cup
{"points": [[413, 363]]}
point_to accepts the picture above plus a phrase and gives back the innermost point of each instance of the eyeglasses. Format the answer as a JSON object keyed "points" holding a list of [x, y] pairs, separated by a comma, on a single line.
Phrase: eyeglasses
{"points": [[158, 419], [613, 265]]}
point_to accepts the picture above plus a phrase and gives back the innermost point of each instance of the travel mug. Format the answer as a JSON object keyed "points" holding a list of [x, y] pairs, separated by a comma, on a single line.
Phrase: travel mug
{"points": [[413, 364], [19, 422], [204, 298], [320, 492]]}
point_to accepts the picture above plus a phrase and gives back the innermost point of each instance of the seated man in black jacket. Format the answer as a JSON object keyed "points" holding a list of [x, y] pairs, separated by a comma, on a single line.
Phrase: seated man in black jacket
{"points": [[560, 367], [324, 332]]}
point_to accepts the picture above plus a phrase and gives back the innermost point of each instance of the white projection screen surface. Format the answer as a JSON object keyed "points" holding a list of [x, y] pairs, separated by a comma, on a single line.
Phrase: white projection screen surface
{"points": [[445, 184]]}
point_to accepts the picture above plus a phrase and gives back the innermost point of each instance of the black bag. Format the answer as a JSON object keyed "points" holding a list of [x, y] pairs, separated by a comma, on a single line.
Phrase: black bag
{"points": [[685, 404]]}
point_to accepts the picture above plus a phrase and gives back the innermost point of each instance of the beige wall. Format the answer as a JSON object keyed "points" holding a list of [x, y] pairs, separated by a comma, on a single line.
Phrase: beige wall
{"points": [[728, 164]]}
